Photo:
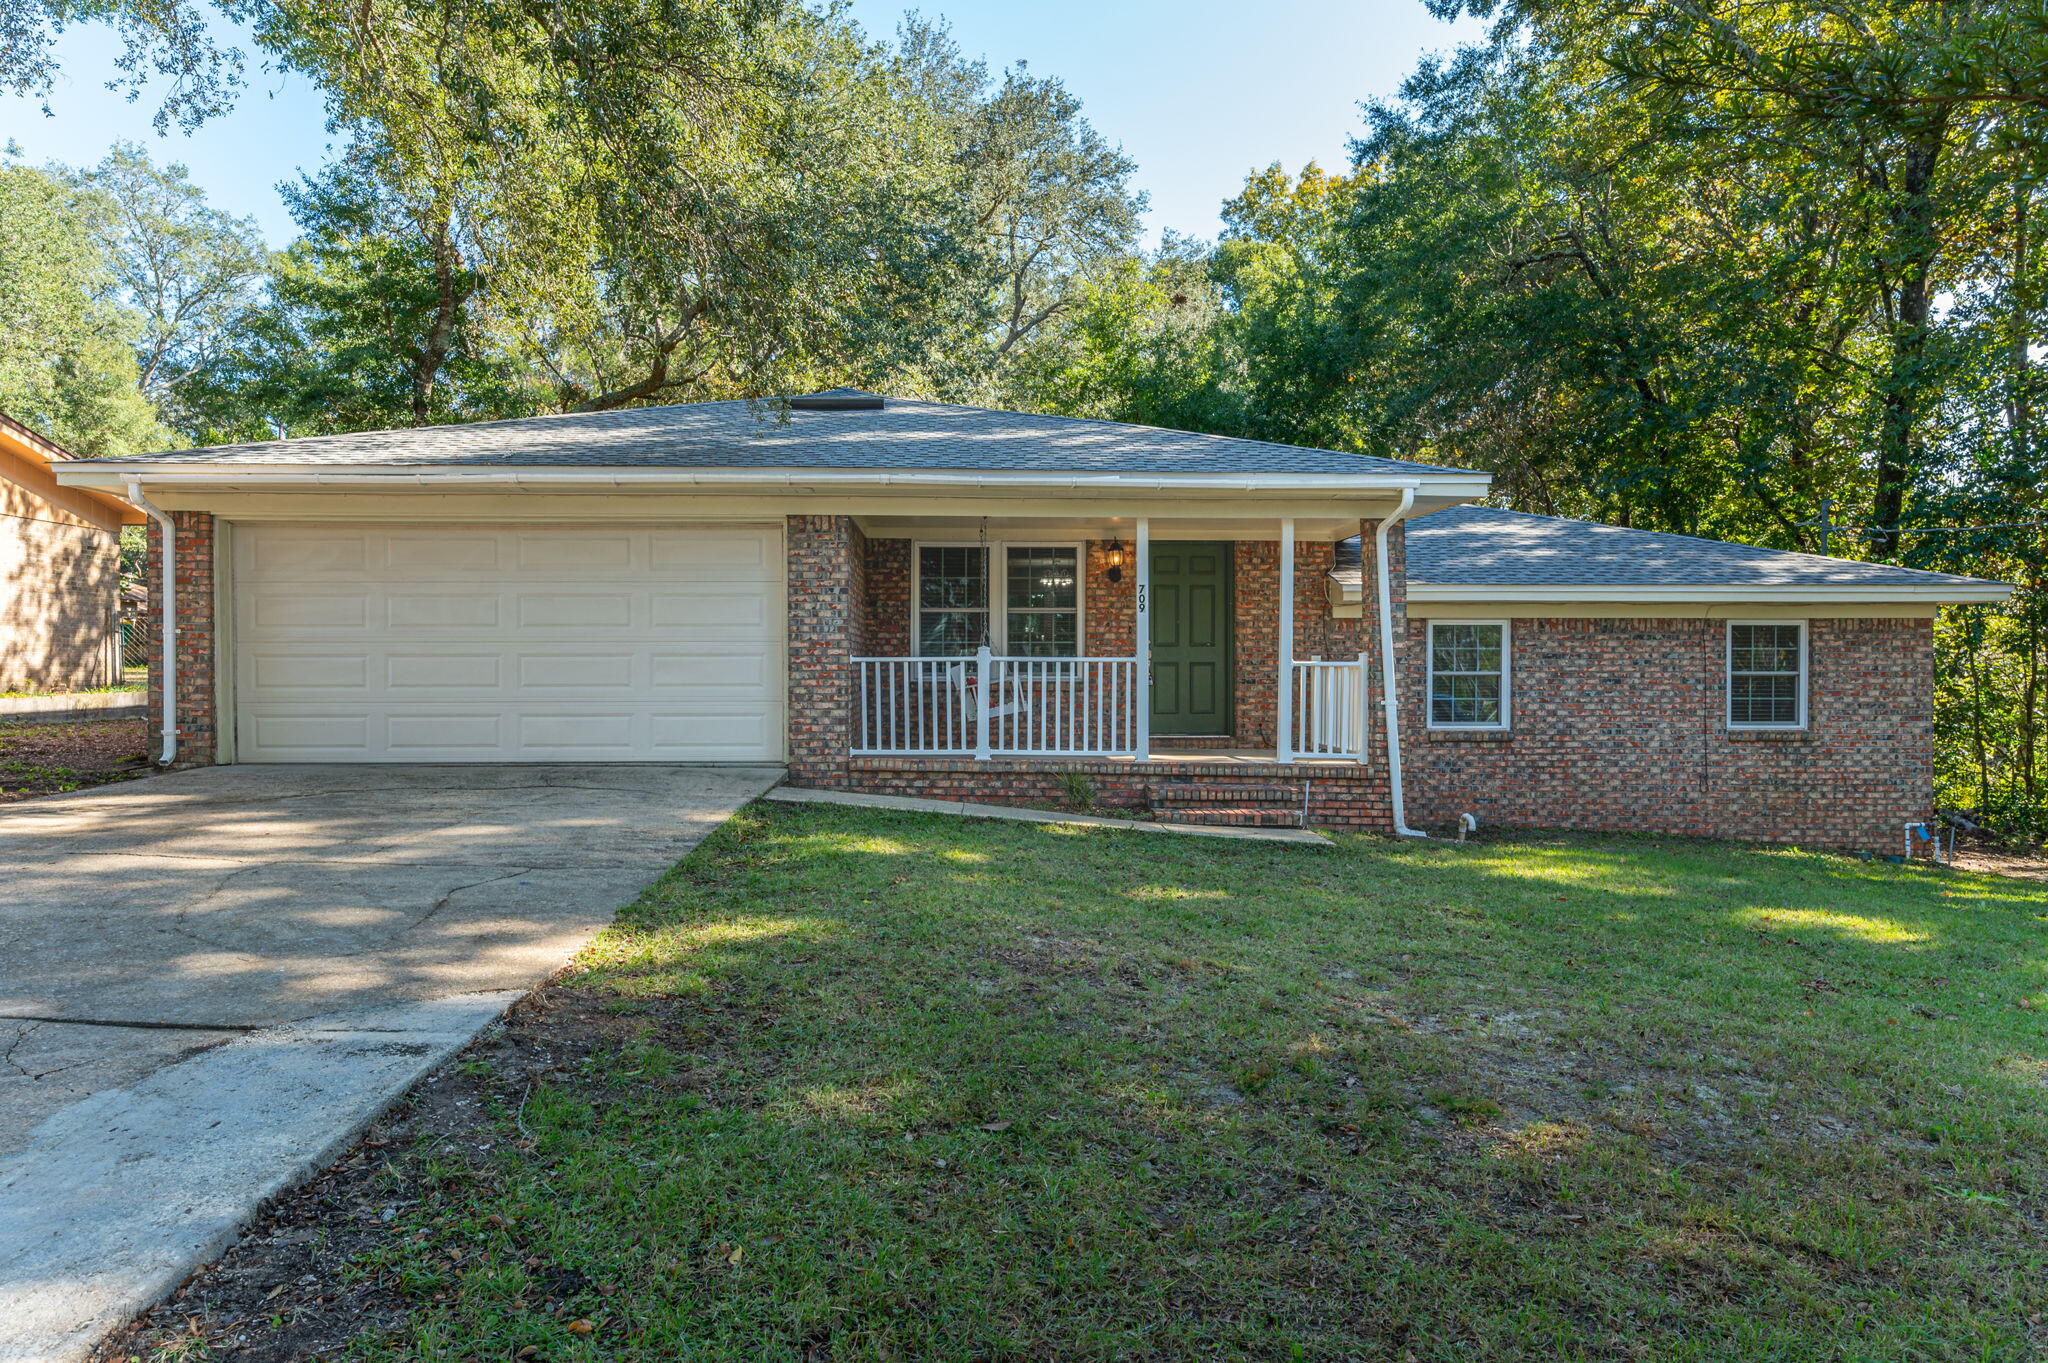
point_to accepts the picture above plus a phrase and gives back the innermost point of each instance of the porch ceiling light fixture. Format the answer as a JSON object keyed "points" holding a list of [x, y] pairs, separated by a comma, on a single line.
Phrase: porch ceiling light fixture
{"points": [[1116, 560]]}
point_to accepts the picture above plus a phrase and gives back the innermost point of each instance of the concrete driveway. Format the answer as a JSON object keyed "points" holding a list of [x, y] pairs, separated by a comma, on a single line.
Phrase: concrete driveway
{"points": [[145, 927]]}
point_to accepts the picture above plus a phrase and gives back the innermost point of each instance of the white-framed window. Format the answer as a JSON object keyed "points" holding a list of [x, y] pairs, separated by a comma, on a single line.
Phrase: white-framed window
{"points": [[1766, 674], [1022, 600], [1468, 674]]}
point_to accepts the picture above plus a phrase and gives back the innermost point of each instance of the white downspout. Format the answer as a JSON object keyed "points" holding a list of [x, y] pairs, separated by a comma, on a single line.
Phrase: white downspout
{"points": [[1388, 680], [168, 563]]}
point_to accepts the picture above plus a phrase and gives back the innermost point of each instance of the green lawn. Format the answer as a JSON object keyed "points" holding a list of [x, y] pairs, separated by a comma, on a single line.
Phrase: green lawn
{"points": [[910, 1087]]}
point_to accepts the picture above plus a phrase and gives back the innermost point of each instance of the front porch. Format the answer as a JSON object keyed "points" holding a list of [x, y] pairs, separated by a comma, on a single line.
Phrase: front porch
{"points": [[1000, 660]]}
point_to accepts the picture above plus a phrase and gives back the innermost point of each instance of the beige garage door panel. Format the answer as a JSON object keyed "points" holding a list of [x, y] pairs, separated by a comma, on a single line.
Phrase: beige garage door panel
{"points": [[520, 644]]}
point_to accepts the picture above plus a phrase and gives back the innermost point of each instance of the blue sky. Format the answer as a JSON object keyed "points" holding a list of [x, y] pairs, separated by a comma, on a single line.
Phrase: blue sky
{"points": [[1199, 92]]}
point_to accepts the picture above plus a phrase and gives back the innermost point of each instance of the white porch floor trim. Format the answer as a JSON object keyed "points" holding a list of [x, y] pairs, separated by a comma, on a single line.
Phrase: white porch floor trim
{"points": [[795, 795]]}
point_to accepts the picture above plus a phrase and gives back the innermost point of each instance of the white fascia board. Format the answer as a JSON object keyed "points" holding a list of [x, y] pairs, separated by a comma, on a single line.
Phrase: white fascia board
{"points": [[111, 474], [1957, 592]]}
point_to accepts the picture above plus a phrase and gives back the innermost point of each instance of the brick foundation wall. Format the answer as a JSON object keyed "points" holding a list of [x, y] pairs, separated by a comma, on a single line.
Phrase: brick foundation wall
{"points": [[198, 721], [1617, 726], [1337, 797]]}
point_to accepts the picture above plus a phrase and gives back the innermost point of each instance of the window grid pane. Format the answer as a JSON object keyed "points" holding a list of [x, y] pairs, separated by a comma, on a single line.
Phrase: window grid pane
{"points": [[1764, 668], [1040, 603], [952, 578], [1043, 579], [948, 634], [952, 598], [1465, 675], [1042, 591], [1042, 634]]}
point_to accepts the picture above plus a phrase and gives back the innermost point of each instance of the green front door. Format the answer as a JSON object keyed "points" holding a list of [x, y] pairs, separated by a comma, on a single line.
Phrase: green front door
{"points": [[1191, 638]]}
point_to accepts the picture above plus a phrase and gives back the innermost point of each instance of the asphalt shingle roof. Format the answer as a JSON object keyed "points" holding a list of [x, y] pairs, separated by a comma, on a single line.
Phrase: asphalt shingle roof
{"points": [[1483, 546], [905, 434]]}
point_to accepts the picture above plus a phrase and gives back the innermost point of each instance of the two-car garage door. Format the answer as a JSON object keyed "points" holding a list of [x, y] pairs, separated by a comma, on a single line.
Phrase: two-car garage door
{"points": [[467, 643]]}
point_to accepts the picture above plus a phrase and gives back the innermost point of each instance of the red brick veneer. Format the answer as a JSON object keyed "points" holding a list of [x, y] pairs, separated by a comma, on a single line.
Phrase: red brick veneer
{"points": [[1617, 725], [1339, 796], [826, 568], [198, 722]]}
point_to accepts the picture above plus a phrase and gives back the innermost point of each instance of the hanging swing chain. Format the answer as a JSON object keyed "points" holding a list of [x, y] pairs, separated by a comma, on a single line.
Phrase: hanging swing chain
{"points": [[988, 581]]}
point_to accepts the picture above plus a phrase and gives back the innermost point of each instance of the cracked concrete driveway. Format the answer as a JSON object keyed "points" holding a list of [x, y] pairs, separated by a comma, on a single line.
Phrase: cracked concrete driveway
{"points": [[142, 922]]}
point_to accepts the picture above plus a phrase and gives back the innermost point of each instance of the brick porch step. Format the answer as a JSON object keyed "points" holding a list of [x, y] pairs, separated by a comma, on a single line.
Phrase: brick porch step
{"points": [[1215, 793], [1233, 816]]}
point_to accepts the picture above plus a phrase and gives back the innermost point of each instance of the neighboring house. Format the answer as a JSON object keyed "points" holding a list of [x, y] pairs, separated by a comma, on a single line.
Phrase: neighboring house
{"points": [[919, 598], [60, 571]]}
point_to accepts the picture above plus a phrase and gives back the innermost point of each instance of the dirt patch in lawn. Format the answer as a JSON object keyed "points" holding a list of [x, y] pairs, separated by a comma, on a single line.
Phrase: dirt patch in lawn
{"points": [[51, 759], [305, 1280], [1991, 861]]}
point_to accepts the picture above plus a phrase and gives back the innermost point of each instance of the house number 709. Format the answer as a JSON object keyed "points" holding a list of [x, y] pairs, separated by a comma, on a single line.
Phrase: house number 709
{"points": [[1141, 598]]}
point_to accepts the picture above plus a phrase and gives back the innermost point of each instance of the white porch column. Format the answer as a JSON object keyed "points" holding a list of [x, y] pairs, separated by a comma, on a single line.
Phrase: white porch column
{"points": [[1142, 623], [1284, 709]]}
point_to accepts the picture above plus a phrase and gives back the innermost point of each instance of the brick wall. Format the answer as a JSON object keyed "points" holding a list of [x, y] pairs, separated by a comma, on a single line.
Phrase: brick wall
{"points": [[1617, 725], [1336, 797], [826, 562], [885, 598], [59, 587], [1112, 607], [1256, 631], [198, 722]]}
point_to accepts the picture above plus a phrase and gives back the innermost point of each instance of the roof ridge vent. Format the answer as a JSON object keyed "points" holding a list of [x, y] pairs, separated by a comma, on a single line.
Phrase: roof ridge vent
{"points": [[837, 400]]}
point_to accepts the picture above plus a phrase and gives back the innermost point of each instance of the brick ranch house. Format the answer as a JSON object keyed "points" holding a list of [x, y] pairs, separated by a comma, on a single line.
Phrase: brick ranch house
{"points": [[918, 598], [60, 571]]}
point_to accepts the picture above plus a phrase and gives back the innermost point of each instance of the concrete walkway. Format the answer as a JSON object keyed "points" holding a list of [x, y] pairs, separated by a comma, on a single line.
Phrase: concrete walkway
{"points": [[210, 980], [797, 795]]}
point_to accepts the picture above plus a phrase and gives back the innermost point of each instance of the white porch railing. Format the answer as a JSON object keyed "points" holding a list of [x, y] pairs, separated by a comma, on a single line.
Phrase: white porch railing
{"points": [[986, 706], [983, 706], [1328, 710]]}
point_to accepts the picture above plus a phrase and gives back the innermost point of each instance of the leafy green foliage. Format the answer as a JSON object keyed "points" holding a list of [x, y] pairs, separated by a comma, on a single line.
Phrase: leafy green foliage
{"points": [[66, 363], [168, 39], [185, 270]]}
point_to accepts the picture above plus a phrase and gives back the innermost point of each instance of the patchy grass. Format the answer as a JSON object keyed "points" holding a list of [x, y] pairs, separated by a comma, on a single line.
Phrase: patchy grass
{"points": [[853, 1084], [50, 759]]}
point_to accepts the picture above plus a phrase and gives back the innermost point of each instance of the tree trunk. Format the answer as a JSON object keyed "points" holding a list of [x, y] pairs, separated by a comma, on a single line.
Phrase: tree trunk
{"points": [[449, 298], [1914, 245]]}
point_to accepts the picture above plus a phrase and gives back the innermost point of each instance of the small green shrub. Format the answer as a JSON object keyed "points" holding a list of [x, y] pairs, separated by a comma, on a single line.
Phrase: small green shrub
{"points": [[1077, 790]]}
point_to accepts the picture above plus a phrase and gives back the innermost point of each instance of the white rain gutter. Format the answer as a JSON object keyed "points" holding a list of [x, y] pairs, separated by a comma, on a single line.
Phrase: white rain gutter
{"points": [[167, 556], [1390, 697], [230, 476]]}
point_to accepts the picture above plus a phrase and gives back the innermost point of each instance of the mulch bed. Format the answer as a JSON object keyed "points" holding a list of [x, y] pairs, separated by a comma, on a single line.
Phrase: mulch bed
{"points": [[50, 759]]}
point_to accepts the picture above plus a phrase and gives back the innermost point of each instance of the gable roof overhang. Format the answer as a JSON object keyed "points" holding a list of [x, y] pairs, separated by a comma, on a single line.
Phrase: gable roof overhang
{"points": [[1335, 501], [44, 455]]}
